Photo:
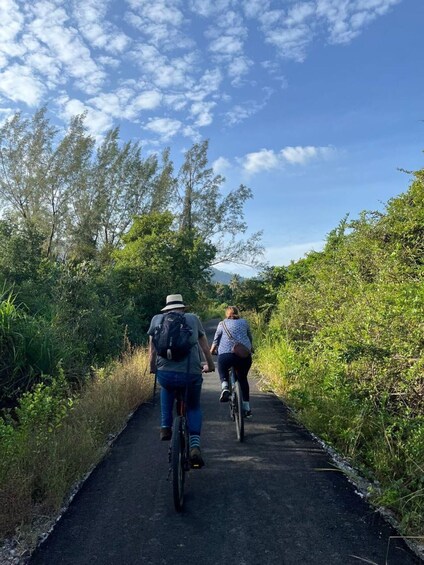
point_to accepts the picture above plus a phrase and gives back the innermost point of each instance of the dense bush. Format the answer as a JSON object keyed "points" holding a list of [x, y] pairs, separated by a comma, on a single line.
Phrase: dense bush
{"points": [[345, 346]]}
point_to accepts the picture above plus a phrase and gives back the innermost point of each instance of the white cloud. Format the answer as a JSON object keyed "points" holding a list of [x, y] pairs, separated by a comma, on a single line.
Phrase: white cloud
{"points": [[160, 23], [345, 20], [226, 45], [208, 84], [201, 112], [166, 128], [221, 165], [301, 155], [176, 102], [239, 67], [148, 100], [50, 26], [241, 112], [268, 159], [45, 65], [128, 62], [160, 11], [11, 23], [207, 8], [291, 43], [292, 31], [100, 33], [17, 83], [97, 121], [165, 72], [254, 8], [262, 160]]}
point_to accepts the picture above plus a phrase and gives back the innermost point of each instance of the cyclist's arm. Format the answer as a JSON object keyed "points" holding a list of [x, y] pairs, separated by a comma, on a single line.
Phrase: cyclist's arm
{"points": [[216, 339], [204, 346], [152, 355]]}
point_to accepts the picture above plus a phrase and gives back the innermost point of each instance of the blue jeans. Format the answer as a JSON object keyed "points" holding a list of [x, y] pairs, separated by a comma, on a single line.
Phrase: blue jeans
{"points": [[171, 381]]}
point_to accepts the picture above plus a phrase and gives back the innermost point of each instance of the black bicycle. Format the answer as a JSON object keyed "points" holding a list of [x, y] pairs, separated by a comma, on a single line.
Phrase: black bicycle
{"points": [[236, 404], [179, 451]]}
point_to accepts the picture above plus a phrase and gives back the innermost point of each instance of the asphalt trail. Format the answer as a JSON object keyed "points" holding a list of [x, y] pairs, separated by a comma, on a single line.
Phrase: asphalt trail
{"points": [[275, 499]]}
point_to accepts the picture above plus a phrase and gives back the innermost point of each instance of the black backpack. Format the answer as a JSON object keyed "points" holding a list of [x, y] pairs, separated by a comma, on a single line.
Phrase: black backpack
{"points": [[171, 337]]}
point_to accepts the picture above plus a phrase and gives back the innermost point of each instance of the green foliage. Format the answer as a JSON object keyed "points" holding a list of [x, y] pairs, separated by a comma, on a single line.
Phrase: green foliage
{"points": [[345, 346], [157, 260], [84, 318], [26, 352]]}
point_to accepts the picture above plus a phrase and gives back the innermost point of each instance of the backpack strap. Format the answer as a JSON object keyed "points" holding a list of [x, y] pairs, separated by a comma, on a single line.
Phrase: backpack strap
{"points": [[227, 331]]}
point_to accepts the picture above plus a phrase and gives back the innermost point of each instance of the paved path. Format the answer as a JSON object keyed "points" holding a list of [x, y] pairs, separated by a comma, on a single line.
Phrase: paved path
{"points": [[273, 500]]}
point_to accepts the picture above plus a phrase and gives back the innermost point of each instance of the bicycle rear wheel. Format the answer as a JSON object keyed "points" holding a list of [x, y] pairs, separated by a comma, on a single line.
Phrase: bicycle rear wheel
{"points": [[178, 454], [238, 411]]}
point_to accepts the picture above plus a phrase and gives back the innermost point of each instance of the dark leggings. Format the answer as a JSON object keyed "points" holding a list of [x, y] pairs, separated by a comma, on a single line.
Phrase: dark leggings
{"points": [[242, 366]]}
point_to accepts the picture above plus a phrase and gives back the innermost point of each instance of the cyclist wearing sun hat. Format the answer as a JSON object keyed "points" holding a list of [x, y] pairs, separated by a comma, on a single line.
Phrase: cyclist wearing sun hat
{"points": [[173, 374]]}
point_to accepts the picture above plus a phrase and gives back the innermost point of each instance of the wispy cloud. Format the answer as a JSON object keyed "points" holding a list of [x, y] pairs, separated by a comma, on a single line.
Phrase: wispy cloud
{"points": [[100, 33], [165, 60], [20, 85], [291, 31], [241, 112], [11, 23], [301, 155], [50, 26], [165, 127], [262, 160], [97, 121], [221, 165], [268, 159]]}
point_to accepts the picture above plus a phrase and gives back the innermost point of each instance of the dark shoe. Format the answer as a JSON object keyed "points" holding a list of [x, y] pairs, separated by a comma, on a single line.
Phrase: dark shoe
{"points": [[247, 413], [225, 395], [196, 460], [165, 434]]}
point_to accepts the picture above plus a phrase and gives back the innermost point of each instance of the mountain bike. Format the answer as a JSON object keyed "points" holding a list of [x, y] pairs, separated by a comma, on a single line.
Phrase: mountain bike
{"points": [[179, 450], [236, 404]]}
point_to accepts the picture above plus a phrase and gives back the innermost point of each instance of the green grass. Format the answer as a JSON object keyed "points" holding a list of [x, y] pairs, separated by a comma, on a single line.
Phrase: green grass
{"points": [[386, 446], [57, 436]]}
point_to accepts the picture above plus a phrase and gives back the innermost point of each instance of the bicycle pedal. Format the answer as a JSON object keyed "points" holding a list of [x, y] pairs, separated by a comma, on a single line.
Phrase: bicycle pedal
{"points": [[196, 466]]}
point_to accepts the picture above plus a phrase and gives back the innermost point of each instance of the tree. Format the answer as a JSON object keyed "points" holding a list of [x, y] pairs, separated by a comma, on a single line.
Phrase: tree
{"points": [[40, 174], [218, 219], [123, 185], [157, 260]]}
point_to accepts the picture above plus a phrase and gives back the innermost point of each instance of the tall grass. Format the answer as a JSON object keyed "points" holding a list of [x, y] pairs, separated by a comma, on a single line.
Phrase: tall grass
{"points": [[56, 436], [387, 447]]}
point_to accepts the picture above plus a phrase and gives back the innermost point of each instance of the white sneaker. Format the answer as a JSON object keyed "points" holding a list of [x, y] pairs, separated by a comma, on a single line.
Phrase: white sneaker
{"points": [[225, 395]]}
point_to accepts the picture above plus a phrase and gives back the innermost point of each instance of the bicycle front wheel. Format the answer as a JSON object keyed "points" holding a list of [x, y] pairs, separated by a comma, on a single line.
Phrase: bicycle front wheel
{"points": [[178, 462], [238, 411]]}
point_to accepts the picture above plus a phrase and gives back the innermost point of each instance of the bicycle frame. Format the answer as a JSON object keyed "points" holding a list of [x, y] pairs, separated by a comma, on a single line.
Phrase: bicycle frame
{"points": [[236, 404]]}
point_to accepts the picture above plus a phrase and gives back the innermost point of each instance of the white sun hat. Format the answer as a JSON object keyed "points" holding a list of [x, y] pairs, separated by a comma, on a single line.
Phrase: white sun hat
{"points": [[173, 301]]}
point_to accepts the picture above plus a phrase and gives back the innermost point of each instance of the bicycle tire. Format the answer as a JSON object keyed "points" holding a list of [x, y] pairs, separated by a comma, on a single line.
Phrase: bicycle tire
{"points": [[238, 411], [178, 462], [231, 403]]}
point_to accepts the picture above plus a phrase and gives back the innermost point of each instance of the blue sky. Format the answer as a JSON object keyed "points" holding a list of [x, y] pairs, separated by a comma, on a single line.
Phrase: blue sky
{"points": [[313, 104]]}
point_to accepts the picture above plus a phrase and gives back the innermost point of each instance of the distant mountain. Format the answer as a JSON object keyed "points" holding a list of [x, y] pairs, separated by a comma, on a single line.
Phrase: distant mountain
{"points": [[222, 276]]}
